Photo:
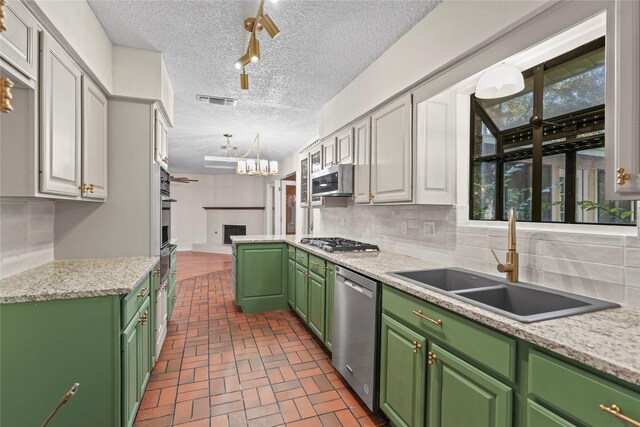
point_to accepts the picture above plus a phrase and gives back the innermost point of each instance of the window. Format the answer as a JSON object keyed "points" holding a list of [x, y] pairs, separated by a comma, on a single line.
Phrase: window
{"points": [[541, 151]]}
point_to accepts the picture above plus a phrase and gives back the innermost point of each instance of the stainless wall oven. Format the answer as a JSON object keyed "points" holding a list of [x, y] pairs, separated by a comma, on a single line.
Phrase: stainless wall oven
{"points": [[165, 221]]}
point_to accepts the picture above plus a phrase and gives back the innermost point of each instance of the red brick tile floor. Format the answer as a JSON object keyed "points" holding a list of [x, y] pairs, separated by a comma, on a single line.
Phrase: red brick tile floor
{"points": [[219, 367]]}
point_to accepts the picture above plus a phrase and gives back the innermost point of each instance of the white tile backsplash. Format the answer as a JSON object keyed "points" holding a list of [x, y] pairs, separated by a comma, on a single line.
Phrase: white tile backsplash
{"points": [[26, 234], [590, 263]]}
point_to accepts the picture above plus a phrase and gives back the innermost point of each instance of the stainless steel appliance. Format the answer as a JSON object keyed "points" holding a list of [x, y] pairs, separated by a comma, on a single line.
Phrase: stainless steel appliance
{"points": [[355, 333], [334, 181], [165, 220], [337, 244]]}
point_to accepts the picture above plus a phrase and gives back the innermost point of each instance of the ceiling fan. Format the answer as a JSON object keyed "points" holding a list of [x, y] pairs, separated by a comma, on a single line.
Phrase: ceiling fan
{"points": [[183, 179]]}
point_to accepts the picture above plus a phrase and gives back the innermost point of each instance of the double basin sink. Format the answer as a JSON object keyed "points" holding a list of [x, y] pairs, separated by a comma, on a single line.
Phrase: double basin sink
{"points": [[523, 302]]}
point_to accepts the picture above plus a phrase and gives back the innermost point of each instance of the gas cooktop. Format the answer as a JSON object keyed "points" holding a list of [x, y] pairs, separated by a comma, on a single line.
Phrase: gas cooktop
{"points": [[337, 244]]}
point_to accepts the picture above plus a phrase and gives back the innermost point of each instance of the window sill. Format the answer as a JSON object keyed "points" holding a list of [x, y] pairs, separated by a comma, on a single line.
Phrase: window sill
{"points": [[587, 229]]}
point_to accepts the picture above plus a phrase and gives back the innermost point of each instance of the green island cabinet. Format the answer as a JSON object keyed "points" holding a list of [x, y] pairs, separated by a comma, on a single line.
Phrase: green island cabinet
{"points": [[259, 276], [171, 292], [103, 343], [438, 368]]}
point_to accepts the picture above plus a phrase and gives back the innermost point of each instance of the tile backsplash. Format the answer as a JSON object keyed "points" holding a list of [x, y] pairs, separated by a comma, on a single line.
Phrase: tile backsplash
{"points": [[598, 265], [26, 234]]}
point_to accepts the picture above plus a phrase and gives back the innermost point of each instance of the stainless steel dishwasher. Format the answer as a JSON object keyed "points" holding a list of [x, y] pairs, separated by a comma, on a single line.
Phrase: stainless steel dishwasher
{"points": [[355, 333]]}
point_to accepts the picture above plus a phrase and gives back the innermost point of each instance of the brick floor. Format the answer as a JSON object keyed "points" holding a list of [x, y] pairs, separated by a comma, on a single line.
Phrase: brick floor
{"points": [[220, 367]]}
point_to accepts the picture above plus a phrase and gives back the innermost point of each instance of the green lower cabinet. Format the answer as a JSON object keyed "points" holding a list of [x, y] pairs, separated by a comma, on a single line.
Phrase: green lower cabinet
{"points": [[329, 281], [302, 292], [171, 301], [291, 282], [403, 366], [317, 303], [261, 277], [538, 416], [462, 395]]}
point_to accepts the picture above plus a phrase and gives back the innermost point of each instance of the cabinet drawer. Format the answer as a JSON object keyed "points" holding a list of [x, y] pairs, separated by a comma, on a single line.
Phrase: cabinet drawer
{"points": [[291, 251], [578, 393], [317, 265], [485, 346], [302, 257], [538, 416], [132, 302]]}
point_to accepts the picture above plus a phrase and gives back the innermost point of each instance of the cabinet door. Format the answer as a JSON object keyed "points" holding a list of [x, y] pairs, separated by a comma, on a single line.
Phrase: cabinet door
{"points": [[94, 140], [130, 373], [262, 275], [291, 283], [362, 161], [315, 164], [538, 416], [145, 346], [160, 138], [344, 147], [402, 373], [316, 312], [453, 382], [304, 182], [435, 119], [302, 292], [171, 302], [328, 330], [61, 92], [328, 152], [622, 102], [19, 42], [391, 168]]}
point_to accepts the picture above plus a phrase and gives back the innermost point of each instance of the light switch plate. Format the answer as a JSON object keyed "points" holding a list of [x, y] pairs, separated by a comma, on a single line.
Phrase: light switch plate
{"points": [[429, 229]]}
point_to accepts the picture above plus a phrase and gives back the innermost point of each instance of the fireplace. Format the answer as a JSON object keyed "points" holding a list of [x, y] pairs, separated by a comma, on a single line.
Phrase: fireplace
{"points": [[233, 230]]}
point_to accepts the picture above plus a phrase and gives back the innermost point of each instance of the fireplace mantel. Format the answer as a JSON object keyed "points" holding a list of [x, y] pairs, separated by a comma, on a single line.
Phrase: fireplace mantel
{"points": [[233, 208]]}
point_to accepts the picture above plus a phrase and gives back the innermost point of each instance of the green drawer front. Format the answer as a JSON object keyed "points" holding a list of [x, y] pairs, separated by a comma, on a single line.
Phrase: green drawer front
{"points": [[578, 394], [489, 348], [317, 265], [302, 257], [291, 251], [132, 302], [538, 416]]}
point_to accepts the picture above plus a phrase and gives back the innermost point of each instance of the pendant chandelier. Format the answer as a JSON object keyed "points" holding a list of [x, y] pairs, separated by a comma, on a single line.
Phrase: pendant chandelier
{"points": [[257, 166]]}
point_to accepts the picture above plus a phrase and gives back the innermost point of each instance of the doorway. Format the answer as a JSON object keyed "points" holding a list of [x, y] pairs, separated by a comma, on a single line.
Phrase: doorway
{"points": [[289, 199]]}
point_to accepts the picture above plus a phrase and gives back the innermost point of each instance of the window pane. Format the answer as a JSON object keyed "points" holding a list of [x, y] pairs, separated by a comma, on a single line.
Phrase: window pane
{"points": [[512, 111], [574, 85], [592, 207], [553, 188], [484, 143], [517, 188], [484, 191]]}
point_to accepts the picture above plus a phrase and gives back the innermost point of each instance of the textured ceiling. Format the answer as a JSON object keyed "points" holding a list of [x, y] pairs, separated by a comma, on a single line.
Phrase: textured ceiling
{"points": [[322, 46]]}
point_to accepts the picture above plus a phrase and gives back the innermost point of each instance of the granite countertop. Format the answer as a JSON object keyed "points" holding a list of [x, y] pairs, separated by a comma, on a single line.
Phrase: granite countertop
{"points": [[607, 340], [76, 278]]}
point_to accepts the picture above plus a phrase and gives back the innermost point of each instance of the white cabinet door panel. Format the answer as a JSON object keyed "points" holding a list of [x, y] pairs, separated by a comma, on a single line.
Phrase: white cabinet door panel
{"points": [[94, 139], [391, 166], [344, 146], [61, 121], [362, 161], [328, 152], [19, 43]]}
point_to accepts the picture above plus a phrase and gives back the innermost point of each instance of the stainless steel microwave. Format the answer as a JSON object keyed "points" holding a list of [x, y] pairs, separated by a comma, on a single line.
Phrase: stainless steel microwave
{"points": [[334, 181]]}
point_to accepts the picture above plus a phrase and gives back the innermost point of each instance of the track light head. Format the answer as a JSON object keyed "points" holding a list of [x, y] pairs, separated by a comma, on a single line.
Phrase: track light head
{"points": [[254, 49], [244, 80], [270, 26], [243, 61]]}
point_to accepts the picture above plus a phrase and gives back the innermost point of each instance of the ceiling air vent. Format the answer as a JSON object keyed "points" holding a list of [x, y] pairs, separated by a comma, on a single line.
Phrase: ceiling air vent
{"points": [[217, 100]]}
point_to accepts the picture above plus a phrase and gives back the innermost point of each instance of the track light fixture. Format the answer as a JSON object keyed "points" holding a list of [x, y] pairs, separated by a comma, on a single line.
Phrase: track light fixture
{"points": [[252, 54]]}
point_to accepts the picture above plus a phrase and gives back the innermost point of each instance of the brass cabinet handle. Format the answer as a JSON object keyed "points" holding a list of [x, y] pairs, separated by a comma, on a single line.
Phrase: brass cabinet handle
{"points": [[5, 90], [300, 256], [622, 176], [317, 264], [431, 357], [422, 316], [416, 346], [91, 188], [371, 196], [143, 293], [616, 411], [156, 272], [143, 319], [291, 251], [3, 15]]}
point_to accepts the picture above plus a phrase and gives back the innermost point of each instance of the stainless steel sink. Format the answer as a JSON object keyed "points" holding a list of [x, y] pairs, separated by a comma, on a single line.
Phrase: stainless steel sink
{"points": [[449, 279], [522, 301]]}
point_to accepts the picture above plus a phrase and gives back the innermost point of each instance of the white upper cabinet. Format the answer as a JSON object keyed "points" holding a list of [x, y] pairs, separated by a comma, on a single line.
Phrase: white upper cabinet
{"points": [[328, 152], [161, 142], [60, 126], [623, 102], [362, 161], [94, 140], [434, 160], [391, 165], [19, 43], [344, 146], [315, 165]]}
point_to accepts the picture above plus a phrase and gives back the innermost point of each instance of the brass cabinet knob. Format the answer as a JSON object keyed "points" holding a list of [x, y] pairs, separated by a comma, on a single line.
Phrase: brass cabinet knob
{"points": [[90, 188], [83, 187], [3, 15], [5, 95], [353, 197], [174, 298], [431, 358], [416, 346], [143, 319], [622, 176], [371, 196]]}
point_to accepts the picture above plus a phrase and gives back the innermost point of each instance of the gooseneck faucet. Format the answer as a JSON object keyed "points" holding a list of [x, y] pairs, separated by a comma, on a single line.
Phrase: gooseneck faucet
{"points": [[511, 266]]}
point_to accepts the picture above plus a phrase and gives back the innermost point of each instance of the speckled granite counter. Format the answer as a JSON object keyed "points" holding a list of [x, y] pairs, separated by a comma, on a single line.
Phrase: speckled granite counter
{"points": [[608, 340], [78, 278]]}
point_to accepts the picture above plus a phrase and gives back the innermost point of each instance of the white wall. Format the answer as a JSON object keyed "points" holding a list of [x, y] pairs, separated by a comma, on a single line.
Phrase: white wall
{"points": [[191, 224], [26, 234]]}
